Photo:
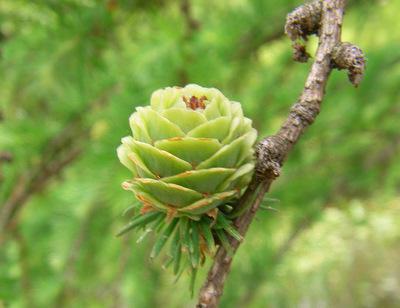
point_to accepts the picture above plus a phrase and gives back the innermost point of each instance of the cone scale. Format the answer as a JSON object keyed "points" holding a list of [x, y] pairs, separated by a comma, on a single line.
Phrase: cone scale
{"points": [[191, 156]]}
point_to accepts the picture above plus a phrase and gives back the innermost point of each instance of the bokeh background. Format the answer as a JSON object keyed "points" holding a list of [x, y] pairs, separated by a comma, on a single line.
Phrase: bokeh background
{"points": [[72, 71]]}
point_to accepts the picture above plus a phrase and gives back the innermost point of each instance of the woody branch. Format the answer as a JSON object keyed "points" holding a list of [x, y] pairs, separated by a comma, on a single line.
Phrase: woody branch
{"points": [[324, 19]]}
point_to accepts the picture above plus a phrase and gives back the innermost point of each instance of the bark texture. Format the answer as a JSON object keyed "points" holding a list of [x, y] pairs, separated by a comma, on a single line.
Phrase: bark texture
{"points": [[324, 18], [351, 58]]}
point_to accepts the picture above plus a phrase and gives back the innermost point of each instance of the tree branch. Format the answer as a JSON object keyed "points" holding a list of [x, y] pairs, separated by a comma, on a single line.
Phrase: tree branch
{"points": [[60, 151], [321, 17]]}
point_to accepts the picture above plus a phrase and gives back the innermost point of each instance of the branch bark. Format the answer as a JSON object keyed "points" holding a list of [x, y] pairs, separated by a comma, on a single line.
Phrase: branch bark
{"points": [[321, 17]]}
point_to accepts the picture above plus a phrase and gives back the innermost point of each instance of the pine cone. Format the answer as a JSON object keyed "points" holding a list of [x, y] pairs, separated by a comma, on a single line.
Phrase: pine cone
{"points": [[191, 156]]}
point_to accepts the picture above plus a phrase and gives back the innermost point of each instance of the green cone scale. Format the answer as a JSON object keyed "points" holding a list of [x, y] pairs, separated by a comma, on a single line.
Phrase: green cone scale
{"points": [[191, 156]]}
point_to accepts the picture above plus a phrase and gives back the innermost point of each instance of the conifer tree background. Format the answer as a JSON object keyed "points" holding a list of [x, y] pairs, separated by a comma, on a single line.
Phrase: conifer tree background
{"points": [[73, 71]]}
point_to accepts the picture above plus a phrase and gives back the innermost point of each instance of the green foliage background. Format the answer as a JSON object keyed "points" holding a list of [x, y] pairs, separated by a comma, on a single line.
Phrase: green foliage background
{"points": [[72, 72]]}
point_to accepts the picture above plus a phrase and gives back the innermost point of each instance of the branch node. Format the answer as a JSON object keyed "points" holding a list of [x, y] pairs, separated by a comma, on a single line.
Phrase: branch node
{"points": [[305, 20], [305, 112], [351, 58], [300, 53], [269, 158], [208, 296]]}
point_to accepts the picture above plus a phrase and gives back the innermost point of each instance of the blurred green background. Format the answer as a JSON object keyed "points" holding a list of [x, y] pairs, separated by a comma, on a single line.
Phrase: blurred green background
{"points": [[72, 71]]}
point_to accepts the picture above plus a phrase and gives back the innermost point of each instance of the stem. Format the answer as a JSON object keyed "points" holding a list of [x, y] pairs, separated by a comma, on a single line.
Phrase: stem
{"points": [[326, 19]]}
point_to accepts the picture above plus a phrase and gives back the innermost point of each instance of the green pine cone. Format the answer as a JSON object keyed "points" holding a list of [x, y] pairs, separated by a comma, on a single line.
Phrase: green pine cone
{"points": [[191, 155]]}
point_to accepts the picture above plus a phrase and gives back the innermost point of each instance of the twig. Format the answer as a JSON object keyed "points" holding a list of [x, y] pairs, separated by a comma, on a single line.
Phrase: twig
{"points": [[321, 17], [60, 152], [29, 184]]}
